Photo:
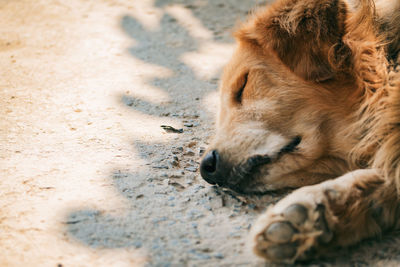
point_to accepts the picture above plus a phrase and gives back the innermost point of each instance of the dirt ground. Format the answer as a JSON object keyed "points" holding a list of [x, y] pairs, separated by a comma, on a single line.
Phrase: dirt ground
{"points": [[88, 176]]}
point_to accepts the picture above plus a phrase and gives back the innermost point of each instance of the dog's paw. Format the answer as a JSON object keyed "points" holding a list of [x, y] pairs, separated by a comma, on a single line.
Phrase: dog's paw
{"points": [[292, 230]]}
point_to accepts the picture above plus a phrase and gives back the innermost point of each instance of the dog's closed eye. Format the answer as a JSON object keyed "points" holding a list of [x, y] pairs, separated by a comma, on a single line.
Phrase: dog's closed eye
{"points": [[239, 93]]}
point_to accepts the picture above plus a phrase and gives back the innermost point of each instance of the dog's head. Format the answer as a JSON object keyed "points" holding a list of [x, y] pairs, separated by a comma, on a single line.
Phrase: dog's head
{"points": [[286, 100]]}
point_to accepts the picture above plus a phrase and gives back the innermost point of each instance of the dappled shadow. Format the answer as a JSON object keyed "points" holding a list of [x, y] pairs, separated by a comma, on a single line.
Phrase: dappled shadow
{"points": [[171, 212], [211, 19], [185, 212], [165, 47]]}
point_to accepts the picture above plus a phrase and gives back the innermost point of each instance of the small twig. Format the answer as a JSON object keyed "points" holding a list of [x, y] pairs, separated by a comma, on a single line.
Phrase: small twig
{"points": [[170, 129]]}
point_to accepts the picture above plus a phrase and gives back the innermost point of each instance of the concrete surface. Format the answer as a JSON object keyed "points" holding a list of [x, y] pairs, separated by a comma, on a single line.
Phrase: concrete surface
{"points": [[88, 176]]}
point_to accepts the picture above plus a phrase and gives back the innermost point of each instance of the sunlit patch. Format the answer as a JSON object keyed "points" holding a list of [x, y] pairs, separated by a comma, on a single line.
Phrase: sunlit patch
{"points": [[147, 14], [188, 21], [208, 60], [210, 103], [134, 79], [148, 93]]}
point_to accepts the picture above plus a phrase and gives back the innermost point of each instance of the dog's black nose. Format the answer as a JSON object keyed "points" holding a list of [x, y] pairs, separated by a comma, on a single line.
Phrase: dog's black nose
{"points": [[209, 167]]}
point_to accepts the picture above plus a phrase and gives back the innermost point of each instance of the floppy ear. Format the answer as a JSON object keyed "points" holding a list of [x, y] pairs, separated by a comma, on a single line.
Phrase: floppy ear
{"points": [[305, 34]]}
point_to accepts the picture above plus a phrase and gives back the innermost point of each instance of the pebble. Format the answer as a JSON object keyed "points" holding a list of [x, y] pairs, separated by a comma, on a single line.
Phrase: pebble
{"points": [[192, 144], [189, 152], [161, 219], [252, 206], [190, 6], [185, 241], [216, 203], [196, 232], [210, 224], [177, 185], [208, 207], [191, 169], [193, 163], [137, 244], [195, 214], [202, 201], [201, 151], [197, 188], [173, 162], [176, 175], [235, 234], [199, 255], [161, 167], [218, 256]]}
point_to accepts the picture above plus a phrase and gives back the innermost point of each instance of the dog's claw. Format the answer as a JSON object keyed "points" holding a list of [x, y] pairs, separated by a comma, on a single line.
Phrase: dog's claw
{"points": [[280, 232], [321, 224], [296, 214]]}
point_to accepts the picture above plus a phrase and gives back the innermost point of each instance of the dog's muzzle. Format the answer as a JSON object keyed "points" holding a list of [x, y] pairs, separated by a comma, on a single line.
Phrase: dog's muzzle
{"points": [[215, 170]]}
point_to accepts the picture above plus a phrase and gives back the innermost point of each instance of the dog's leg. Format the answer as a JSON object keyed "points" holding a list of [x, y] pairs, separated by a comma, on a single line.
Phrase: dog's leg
{"points": [[337, 212]]}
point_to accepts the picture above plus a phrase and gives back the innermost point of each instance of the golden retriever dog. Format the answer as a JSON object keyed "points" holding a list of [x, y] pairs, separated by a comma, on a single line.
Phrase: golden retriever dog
{"points": [[311, 100]]}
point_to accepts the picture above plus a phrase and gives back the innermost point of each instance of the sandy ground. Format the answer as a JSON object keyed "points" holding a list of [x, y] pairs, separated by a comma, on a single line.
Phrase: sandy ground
{"points": [[88, 176]]}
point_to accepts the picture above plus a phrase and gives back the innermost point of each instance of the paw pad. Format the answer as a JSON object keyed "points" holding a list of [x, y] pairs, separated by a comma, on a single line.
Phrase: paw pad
{"points": [[280, 232], [296, 214], [290, 234], [281, 252]]}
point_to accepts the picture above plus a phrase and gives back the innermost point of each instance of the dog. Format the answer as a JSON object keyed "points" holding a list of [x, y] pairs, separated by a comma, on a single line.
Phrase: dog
{"points": [[311, 100]]}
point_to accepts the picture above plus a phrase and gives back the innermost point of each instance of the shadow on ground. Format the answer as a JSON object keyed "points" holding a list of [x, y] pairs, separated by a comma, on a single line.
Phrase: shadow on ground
{"points": [[171, 212]]}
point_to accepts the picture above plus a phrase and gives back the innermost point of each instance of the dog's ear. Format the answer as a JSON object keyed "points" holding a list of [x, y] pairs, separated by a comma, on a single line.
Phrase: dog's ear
{"points": [[305, 34]]}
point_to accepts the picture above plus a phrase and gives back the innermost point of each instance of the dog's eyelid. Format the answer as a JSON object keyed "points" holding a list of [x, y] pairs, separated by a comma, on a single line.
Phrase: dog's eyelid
{"points": [[239, 93]]}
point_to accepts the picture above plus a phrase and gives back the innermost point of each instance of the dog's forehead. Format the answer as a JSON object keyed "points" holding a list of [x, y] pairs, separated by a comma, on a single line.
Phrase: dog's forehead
{"points": [[241, 59], [244, 58]]}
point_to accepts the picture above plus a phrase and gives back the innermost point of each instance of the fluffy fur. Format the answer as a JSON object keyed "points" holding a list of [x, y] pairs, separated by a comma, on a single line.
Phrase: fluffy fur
{"points": [[313, 94]]}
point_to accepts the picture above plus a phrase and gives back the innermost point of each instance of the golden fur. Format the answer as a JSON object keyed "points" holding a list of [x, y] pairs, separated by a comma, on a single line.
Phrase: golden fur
{"points": [[312, 93]]}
